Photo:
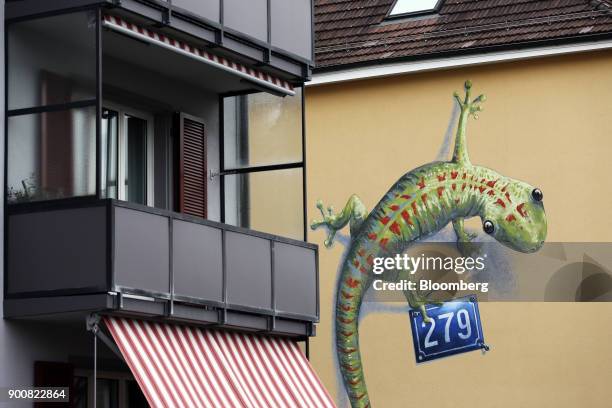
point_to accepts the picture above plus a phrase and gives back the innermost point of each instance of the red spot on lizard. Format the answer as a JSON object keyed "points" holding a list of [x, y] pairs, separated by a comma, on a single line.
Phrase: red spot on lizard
{"points": [[406, 217], [521, 210], [395, 228], [352, 283], [347, 295], [421, 183], [346, 366], [383, 243]]}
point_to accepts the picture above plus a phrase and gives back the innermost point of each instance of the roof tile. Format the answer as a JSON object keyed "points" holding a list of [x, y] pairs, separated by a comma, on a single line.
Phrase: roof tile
{"points": [[356, 31]]}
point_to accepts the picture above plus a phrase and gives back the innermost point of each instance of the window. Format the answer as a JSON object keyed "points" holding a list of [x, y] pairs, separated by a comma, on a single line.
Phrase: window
{"points": [[263, 169], [113, 390], [410, 7], [51, 155], [127, 154], [51, 138]]}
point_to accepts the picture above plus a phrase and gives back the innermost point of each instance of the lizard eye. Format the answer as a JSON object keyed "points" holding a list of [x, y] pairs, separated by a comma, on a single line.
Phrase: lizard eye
{"points": [[488, 227], [537, 194]]}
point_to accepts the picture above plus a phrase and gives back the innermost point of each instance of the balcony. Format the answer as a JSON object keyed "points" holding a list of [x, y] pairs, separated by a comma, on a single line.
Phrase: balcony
{"points": [[67, 258], [276, 34]]}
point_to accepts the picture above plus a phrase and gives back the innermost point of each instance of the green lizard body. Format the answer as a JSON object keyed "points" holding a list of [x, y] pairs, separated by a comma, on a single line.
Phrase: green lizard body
{"points": [[419, 204]]}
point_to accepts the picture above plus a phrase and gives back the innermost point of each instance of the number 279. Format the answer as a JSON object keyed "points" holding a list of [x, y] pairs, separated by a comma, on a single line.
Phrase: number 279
{"points": [[463, 321]]}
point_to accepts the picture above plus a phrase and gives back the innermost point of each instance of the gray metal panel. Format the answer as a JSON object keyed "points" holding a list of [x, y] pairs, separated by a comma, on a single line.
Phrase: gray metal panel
{"points": [[195, 314], [197, 261], [56, 305], [295, 279], [22, 8], [292, 26], [250, 17], [193, 29], [291, 327], [249, 272], [244, 49], [141, 250], [246, 321], [57, 250], [143, 307], [209, 9]]}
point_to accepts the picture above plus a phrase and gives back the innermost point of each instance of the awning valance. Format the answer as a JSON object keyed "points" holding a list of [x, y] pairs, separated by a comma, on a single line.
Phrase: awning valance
{"points": [[258, 77], [183, 366]]}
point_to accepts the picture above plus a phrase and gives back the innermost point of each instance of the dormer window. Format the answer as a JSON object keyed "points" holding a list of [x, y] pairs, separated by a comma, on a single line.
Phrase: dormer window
{"points": [[404, 8]]}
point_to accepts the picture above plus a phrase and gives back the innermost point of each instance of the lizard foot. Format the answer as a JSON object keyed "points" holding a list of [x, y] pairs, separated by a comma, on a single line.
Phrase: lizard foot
{"points": [[419, 302], [328, 222], [464, 239]]}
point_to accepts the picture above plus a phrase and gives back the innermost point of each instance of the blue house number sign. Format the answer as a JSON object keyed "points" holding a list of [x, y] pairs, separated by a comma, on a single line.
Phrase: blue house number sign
{"points": [[455, 329]]}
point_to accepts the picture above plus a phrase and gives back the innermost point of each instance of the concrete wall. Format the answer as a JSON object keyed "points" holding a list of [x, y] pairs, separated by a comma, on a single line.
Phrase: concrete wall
{"points": [[547, 122]]}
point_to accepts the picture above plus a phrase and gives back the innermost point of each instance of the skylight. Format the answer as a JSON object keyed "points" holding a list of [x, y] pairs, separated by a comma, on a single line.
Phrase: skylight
{"points": [[402, 7]]}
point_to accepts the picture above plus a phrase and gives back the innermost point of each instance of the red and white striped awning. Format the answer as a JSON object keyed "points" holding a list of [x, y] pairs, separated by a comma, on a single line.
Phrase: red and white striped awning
{"points": [[258, 77], [183, 366]]}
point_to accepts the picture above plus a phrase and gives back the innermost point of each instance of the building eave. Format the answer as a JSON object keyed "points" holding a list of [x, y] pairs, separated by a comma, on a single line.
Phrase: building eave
{"points": [[457, 61]]}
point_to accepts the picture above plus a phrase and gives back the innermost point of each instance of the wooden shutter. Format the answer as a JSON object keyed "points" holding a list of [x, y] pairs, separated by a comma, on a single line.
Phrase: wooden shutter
{"points": [[192, 166], [53, 374]]}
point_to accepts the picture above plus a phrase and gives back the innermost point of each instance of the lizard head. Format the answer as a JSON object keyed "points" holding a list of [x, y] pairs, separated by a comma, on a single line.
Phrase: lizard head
{"points": [[520, 223]]}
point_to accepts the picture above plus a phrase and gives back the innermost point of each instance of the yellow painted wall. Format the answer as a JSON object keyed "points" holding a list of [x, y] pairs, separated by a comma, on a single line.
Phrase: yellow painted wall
{"points": [[546, 121]]}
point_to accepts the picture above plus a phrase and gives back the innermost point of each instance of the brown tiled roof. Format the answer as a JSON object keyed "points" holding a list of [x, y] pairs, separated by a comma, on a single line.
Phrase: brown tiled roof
{"points": [[350, 32]]}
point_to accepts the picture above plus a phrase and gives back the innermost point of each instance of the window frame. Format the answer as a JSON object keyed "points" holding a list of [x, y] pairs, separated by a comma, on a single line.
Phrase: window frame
{"points": [[230, 171], [66, 106], [424, 12], [122, 377], [123, 111]]}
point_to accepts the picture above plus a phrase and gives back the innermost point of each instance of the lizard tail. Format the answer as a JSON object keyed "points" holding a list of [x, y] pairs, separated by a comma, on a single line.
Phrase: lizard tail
{"points": [[351, 289]]}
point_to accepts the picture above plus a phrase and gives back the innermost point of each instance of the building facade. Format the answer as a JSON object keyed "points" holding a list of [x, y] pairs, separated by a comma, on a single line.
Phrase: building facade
{"points": [[154, 180], [381, 104]]}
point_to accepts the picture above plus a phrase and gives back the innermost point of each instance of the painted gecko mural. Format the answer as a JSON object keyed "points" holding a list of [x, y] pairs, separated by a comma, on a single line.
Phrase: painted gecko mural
{"points": [[419, 204]]}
